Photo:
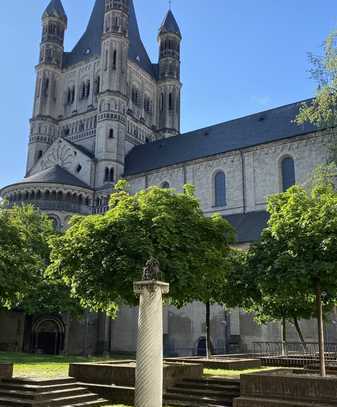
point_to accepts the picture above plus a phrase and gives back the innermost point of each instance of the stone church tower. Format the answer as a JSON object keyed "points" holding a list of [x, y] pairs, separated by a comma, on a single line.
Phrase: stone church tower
{"points": [[93, 105]]}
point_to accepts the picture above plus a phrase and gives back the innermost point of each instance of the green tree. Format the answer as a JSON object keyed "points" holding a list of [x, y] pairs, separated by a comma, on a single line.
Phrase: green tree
{"points": [[100, 256], [253, 286], [297, 258], [322, 110], [24, 257]]}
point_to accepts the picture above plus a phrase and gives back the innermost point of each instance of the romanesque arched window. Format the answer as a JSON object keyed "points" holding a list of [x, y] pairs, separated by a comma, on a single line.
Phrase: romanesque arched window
{"points": [[111, 133], [288, 173], [88, 88], [84, 89], [106, 174], [165, 185], [112, 175], [98, 84], [171, 104], [162, 102], [220, 198], [114, 60]]}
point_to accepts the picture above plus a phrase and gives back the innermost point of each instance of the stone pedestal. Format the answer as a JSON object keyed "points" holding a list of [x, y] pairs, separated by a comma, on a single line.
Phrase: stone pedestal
{"points": [[149, 368]]}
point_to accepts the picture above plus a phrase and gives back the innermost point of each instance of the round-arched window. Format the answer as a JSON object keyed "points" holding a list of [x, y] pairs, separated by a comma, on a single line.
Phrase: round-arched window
{"points": [[220, 198], [288, 173]]}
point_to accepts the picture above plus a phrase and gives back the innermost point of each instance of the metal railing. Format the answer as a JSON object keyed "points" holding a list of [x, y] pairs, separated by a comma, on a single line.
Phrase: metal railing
{"points": [[294, 354]]}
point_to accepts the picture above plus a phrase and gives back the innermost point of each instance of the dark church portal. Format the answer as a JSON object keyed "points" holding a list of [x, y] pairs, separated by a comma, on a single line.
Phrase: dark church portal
{"points": [[48, 337]]}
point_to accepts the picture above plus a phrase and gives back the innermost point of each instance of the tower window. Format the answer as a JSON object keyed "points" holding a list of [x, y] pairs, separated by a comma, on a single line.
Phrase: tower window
{"points": [[106, 60], [220, 198], [162, 102], [83, 91], [147, 104], [106, 175], [288, 173], [98, 84], [111, 133], [88, 88], [39, 154], [112, 175], [109, 175], [78, 168], [114, 61], [135, 96], [46, 87], [171, 104]]}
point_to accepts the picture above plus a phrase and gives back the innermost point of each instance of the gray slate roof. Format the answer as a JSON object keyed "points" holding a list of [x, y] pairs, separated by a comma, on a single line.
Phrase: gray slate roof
{"points": [[91, 40], [170, 25], [248, 226], [55, 175], [265, 127], [88, 153], [55, 9]]}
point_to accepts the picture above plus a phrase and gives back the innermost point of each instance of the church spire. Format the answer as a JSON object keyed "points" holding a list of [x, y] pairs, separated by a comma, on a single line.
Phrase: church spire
{"points": [[55, 9], [170, 25]]}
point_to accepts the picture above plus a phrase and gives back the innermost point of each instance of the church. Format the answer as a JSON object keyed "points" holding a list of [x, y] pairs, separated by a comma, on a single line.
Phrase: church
{"points": [[104, 111]]}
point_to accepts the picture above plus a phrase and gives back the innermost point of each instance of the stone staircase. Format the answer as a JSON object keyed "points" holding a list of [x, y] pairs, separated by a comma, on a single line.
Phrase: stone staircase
{"points": [[210, 392], [45, 393]]}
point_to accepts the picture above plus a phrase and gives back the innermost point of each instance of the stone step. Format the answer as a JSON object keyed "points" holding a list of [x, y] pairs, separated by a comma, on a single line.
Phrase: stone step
{"points": [[97, 403], [192, 404], [35, 388], [204, 392], [58, 401], [40, 382], [206, 386], [223, 401], [35, 395], [214, 380], [257, 402]]}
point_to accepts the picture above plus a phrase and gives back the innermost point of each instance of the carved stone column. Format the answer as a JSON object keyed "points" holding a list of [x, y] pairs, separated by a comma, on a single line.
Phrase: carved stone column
{"points": [[149, 369]]}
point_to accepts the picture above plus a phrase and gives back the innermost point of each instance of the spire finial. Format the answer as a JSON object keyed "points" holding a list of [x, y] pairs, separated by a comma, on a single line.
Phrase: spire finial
{"points": [[170, 4]]}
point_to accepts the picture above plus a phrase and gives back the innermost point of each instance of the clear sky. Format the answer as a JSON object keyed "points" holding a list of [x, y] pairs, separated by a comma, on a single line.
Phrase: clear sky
{"points": [[238, 57]]}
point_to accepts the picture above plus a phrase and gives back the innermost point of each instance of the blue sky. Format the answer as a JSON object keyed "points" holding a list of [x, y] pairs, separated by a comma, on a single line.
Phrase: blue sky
{"points": [[238, 57]]}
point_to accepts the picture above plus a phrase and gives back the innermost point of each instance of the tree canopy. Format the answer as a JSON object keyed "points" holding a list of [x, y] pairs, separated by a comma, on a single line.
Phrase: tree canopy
{"points": [[322, 111], [24, 257], [291, 272], [100, 256]]}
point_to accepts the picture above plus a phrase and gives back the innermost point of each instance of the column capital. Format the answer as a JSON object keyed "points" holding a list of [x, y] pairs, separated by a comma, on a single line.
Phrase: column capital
{"points": [[150, 285]]}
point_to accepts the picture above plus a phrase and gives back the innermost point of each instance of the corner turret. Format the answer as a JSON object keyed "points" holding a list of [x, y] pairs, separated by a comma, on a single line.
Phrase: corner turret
{"points": [[44, 127], [169, 39]]}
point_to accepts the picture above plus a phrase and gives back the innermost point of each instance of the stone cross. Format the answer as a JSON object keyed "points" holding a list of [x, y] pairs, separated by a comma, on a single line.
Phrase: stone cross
{"points": [[149, 366]]}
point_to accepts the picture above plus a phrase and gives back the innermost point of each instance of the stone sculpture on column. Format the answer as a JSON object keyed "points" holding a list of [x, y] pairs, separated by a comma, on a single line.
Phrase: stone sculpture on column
{"points": [[149, 369]]}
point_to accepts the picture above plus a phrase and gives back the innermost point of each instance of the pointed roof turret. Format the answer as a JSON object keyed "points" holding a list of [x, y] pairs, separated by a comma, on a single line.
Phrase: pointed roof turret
{"points": [[55, 9], [170, 25]]}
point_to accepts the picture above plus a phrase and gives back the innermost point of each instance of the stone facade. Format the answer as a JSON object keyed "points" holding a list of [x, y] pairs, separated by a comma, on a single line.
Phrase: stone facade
{"points": [[102, 109]]}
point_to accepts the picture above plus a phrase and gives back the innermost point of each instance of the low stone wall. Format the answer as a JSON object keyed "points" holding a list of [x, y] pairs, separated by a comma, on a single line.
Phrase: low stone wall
{"points": [[6, 370], [277, 389], [122, 373], [222, 363], [119, 395]]}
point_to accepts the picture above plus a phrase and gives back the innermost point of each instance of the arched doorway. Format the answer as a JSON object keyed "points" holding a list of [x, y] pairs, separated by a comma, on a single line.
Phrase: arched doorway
{"points": [[48, 336]]}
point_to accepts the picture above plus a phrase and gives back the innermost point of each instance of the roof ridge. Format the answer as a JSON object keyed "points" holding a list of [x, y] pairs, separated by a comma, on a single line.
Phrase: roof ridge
{"points": [[248, 116]]}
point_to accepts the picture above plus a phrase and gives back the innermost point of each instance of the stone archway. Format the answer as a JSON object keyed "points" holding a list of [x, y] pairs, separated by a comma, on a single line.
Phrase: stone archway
{"points": [[48, 336]]}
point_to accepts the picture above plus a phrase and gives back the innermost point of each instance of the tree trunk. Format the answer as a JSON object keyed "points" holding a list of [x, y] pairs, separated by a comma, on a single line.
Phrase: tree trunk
{"points": [[320, 330], [284, 336], [299, 332], [208, 330], [66, 334]]}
